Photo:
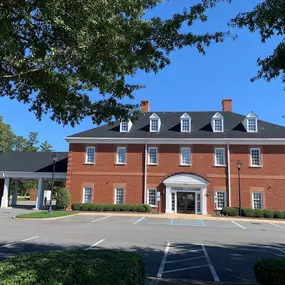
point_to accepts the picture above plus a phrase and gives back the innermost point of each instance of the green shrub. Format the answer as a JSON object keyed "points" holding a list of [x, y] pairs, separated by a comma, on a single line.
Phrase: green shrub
{"points": [[248, 212], [148, 208], [259, 213], [228, 211], [84, 206], [62, 198], [284, 214], [76, 206], [268, 213], [89, 267], [140, 208], [279, 214], [118, 207], [108, 207], [270, 271]]}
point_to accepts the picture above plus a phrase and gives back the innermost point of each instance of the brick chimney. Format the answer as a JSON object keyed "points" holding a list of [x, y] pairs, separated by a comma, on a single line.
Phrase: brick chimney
{"points": [[227, 105], [145, 106]]}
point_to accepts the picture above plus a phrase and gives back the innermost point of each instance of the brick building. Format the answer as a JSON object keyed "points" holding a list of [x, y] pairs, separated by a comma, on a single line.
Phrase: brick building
{"points": [[188, 157]]}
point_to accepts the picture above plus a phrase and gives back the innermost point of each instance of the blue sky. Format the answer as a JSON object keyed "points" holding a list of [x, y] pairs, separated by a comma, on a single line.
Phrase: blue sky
{"points": [[192, 82]]}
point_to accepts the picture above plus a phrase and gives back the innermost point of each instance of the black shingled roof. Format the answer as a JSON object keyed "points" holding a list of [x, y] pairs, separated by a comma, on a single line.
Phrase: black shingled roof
{"points": [[32, 161], [200, 127]]}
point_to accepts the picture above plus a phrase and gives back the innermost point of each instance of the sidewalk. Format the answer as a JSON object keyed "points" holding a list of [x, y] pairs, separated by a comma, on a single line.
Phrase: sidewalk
{"points": [[183, 216]]}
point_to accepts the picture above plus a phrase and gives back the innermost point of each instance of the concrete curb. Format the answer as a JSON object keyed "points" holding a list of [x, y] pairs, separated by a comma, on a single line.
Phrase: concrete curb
{"points": [[46, 219], [183, 216]]}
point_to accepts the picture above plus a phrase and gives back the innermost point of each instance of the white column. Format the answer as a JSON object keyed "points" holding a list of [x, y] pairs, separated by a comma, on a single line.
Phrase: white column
{"points": [[204, 201], [15, 193], [168, 200], [4, 199], [39, 201]]}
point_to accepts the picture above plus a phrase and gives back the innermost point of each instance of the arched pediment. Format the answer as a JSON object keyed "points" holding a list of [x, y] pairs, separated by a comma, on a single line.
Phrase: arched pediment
{"points": [[186, 179]]}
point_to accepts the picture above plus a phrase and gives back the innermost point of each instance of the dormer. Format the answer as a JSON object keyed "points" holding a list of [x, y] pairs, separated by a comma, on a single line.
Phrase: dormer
{"points": [[125, 126], [250, 123], [217, 123], [185, 123], [154, 123]]}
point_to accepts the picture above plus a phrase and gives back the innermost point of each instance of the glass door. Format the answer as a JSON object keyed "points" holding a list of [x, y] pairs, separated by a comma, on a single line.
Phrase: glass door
{"points": [[186, 202]]}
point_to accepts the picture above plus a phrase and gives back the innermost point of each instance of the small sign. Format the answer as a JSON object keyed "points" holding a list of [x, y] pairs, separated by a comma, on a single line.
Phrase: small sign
{"points": [[157, 196]]}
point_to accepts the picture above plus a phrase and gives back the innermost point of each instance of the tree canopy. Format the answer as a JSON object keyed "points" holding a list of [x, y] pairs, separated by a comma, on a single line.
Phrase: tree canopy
{"points": [[6, 137], [53, 52]]}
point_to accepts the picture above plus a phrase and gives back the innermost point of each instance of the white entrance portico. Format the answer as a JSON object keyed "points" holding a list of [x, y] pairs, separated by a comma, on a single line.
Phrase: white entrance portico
{"points": [[186, 193]]}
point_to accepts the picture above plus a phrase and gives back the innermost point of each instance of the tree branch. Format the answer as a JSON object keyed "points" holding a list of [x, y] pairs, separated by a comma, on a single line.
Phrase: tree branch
{"points": [[21, 73]]}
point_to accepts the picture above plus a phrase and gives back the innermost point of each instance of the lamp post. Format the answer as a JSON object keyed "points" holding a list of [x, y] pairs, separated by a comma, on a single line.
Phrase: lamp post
{"points": [[239, 164], [54, 159]]}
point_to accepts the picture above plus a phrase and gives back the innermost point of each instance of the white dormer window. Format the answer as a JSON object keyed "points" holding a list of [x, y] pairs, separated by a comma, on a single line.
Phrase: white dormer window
{"points": [[154, 123], [185, 122], [125, 126], [250, 123], [218, 123]]}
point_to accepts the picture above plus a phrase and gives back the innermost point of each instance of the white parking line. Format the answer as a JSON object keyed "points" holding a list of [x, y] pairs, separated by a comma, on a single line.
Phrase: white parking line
{"points": [[101, 219], [185, 268], [159, 274], [186, 251], [214, 273], [139, 220], [93, 245], [237, 224], [277, 226], [186, 259], [16, 242]]}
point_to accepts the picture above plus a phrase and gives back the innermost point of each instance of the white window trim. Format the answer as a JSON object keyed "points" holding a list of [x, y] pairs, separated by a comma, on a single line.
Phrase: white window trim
{"points": [[121, 127], [115, 202], [214, 125], [247, 125], [220, 148], [252, 149], [153, 206], [151, 130], [225, 195], [86, 154], [148, 156], [83, 194], [252, 200], [185, 116], [117, 160], [181, 160]]}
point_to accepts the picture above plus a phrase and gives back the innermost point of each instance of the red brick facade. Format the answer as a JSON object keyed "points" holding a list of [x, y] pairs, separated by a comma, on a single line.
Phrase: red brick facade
{"points": [[105, 175]]}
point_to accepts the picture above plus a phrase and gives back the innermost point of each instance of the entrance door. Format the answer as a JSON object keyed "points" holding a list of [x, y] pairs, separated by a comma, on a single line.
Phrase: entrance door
{"points": [[186, 202]]}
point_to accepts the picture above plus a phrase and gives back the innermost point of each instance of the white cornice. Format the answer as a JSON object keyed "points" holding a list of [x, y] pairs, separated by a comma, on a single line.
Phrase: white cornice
{"points": [[32, 175], [243, 141]]}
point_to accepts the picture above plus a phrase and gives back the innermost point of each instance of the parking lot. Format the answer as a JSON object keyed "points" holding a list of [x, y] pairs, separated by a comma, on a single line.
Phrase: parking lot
{"points": [[190, 249]]}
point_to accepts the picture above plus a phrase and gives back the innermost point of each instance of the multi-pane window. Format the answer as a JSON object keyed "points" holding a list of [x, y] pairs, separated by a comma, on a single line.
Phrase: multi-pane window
{"points": [[90, 154], [218, 125], [152, 197], [251, 125], [154, 125], [185, 156], [221, 199], [198, 203], [255, 158], [87, 195], [152, 155], [257, 200], [124, 126], [119, 199], [220, 156], [121, 155], [185, 125], [173, 202]]}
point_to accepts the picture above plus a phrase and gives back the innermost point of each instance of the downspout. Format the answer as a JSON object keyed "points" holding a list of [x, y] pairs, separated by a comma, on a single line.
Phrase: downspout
{"points": [[229, 174], [145, 173]]}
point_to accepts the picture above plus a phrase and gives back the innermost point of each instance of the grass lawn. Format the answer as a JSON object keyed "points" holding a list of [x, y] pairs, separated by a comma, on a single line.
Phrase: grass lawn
{"points": [[45, 214], [67, 267], [23, 199]]}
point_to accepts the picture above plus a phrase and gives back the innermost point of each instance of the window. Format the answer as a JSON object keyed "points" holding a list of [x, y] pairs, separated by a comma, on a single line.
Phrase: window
{"points": [[221, 199], [185, 156], [255, 158], [218, 125], [90, 154], [198, 203], [173, 201], [219, 156], [124, 127], [119, 196], [154, 125], [152, 197], [185, 122], [152, 155], [87, 195], [121, 155], [251, 125], [257, 200]]}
